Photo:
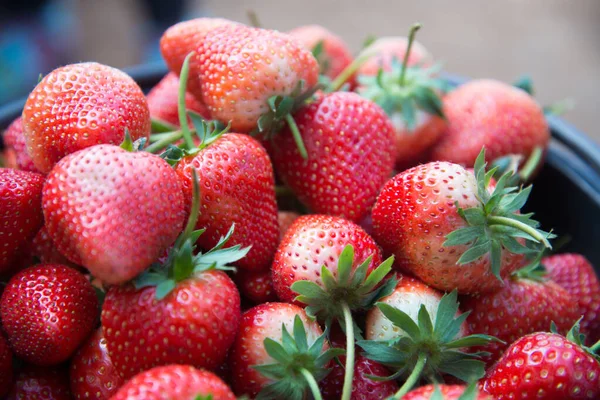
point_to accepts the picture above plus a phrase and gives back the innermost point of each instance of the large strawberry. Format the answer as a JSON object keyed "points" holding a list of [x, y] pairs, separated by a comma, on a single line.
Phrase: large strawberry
{"points": [[577, 276], [113, 211], [6, 366], [21, 216], [14, 141], [446, 392], [47, 383], [546, 366], [92, 373], [82, 105], [181, 382], [350, 145], [491, 114], [447, 226], [47, 311]]}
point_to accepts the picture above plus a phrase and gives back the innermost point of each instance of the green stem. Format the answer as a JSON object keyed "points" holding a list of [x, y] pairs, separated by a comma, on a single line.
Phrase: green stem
{"points": [[349, 373], [193, 218], [411, 39], [595, 347], [312, 383], [412, 378], [531, 164], [164, 141], [297, 136], [253, 18], [160, 126], [513, 223], [181, 110], [350, 70]]}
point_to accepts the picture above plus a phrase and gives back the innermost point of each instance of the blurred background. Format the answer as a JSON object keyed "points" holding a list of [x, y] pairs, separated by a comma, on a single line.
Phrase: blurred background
{"points": [[556, 42]]}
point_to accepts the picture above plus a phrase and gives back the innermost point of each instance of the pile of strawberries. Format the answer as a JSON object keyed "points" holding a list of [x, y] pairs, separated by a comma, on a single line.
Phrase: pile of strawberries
{"points": [[278, 219]]}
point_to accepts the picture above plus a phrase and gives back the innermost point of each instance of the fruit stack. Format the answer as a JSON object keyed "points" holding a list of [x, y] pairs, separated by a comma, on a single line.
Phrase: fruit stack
{"points": [[278, 219]]}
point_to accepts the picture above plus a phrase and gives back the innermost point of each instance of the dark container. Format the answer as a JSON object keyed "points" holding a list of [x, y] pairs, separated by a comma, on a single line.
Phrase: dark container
{"points": [[566, 195]]}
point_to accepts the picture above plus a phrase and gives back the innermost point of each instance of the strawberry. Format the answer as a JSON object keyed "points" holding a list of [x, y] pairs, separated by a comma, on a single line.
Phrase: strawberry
{"points": [[285, 220], [82, 105], [329, 49], [452, 229], [385, 50], [21, 216], [47, 312], [350, 143], [256, 286], [242, 68], [101, 215], [491, 114], [576, 275], [43, 383], [527, 303], [92, 373], [446, 392], [6, 366], [14, 140], [266, 358], [44, 249], [182, 382], [162, 101], [546, 366]]}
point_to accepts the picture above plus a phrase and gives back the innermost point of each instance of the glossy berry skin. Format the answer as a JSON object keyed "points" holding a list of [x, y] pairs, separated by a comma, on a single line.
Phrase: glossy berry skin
{"points": [[335, 55], [113, 211], [21, 216], [576, 275], [256, 286], [41, 383], [414, 213], [163, 98], [285, 220], [92, 373], [194, 324], [449, 392], [316, 240], [182, 382], [258, 323], [82, 105], [520, 307], [491, 114], [47, 311], [350, 145], [6, 366], [544, 366], [14, 141], [363, 388], [237, 186], [240, 68], [386, 49]]}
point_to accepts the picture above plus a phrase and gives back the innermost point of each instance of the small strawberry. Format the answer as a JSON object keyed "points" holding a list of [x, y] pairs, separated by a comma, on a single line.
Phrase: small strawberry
{"points": [[350, 145], [546, 366], [47, 311], [491, 114], [256, 286], [285, 220], [527, 303], [41, 383], [267, 359], [82, 105], [21, 216], [6, 366], [102, 215], [181, 382], [453, 229], [576, 275], [446, 392], [92, 373], [329, 49], [14, 141]]}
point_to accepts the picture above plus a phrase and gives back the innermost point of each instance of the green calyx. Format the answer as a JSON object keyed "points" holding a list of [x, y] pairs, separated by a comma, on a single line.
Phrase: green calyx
{"points": [[298, 364], [428, 349], [352, 289], [130, 145], [495, 223], [470, 393], [184, 261], [318, 52], [578, 338], [521, 172]]}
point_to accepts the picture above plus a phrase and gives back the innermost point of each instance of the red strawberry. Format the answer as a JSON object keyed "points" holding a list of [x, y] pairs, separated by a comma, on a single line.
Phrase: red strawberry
{"points": [[113, 211], [350, 146], [14, 141], [92, 373], [577, 276], [21, 216], [182, 382], [163, 98], [545, 366], [527, 303], [47, 311], [41, 383], [329, 49], [237, 186], [241, 68], [286, 219], [386, 49], [491, 114], [448, 392], [44, 249], [417, 219], [6, 366], [82, 105], [256, 286]]}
